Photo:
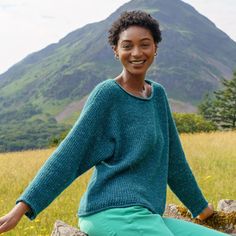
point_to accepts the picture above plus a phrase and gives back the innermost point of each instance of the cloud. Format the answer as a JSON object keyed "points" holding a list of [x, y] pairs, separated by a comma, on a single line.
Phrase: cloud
{"points": [[4, 7], [8, 5], [48, 17]]}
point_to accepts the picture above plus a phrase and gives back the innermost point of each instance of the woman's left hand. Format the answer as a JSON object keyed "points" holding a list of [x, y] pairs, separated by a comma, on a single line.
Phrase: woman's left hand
{"points": [[207, 212]]}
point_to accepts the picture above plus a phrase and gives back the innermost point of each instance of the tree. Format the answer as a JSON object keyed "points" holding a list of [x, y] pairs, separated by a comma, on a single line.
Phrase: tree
{"points": [[221, 108]]}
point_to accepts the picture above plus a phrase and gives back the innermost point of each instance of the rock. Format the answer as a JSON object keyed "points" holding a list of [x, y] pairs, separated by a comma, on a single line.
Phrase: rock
{"points": [[220, 220], [62, 229], [223, 220], [226, 205]]}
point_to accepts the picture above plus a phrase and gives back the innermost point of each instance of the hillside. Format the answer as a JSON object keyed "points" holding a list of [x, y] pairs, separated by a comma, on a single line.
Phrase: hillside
{"points": [[193, 56]]}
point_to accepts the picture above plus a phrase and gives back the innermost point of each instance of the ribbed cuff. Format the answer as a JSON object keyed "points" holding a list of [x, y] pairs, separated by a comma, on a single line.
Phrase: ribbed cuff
{"points": [[30, 214], [199, 210]]}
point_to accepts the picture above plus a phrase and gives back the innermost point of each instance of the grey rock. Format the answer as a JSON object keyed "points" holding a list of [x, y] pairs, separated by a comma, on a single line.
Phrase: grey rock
{"points": [[226, 205], [63, 229]]}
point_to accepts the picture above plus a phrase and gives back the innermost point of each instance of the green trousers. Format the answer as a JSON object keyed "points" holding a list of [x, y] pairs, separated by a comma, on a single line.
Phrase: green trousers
{"points": [[139, 221]]}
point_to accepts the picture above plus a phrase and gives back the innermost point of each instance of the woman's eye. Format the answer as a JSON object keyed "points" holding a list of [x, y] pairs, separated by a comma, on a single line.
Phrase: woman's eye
{"points": [[145, 45], [126, 46]]}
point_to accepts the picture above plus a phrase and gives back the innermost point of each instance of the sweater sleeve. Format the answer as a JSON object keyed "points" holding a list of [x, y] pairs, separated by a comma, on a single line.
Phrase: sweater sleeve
{"points": [[86, 144], [180, 177]]}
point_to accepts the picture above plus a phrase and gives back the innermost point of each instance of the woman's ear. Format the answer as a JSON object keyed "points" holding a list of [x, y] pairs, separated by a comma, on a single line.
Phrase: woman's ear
{"points": [[156, 47], [114, 48]]}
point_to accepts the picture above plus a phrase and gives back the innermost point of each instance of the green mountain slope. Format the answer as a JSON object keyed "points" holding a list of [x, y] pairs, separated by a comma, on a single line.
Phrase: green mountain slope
{"points": [[192, 58]]}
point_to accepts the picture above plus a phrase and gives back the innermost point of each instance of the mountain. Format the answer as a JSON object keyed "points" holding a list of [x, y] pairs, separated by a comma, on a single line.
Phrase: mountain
{"points": [[45, 89]]}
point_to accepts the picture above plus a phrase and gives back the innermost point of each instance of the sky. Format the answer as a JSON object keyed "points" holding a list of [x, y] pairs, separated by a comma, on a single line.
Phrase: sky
{"points": [[27, 26]]}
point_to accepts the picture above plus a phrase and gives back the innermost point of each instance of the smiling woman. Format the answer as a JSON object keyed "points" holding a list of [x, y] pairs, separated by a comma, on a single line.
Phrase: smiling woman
{"points": [[127, 133]]}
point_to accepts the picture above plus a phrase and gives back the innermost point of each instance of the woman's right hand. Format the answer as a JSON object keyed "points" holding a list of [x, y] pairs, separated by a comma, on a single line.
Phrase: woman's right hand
{"points": [[11, 219], [207, 212]]}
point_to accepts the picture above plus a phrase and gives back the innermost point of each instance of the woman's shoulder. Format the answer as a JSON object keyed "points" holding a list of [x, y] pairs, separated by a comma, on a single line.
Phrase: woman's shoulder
{"points": [[102, 91], [104, 85]]}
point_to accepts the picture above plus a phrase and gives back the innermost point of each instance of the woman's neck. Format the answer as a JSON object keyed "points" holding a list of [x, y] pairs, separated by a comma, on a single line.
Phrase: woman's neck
{"points": [[136, 83]]}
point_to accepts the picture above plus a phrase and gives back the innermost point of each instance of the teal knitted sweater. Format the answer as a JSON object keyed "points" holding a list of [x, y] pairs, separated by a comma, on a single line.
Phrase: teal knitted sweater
{"points": [[133, 144]]}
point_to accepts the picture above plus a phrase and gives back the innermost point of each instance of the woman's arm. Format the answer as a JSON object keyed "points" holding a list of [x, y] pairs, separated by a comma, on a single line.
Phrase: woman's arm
{"points": [[180, 177], [10, 220], [86, 145]]}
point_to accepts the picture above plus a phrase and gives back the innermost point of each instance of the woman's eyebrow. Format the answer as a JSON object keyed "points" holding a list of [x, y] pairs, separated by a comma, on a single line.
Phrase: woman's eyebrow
{"points": [[145, 39], [127, 40]]}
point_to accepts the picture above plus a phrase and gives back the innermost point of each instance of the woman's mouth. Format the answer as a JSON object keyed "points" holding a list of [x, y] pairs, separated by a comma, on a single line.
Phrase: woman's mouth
{"points": [[139, 62]]}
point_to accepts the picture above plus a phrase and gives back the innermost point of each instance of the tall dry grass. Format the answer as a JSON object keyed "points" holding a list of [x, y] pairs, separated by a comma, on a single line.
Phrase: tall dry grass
{"points": [[212, 158]]}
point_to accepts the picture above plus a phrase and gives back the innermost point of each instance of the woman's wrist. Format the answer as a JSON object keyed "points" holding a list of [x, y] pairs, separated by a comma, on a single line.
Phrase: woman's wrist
{"points": [[207, 212], [21, 208]]}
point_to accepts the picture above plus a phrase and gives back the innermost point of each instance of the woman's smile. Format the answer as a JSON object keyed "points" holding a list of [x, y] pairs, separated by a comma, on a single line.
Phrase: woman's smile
{"points": [[139, 62], [136, 50]]}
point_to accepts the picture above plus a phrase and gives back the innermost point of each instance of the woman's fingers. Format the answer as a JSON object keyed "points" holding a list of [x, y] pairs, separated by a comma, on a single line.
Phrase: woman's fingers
{"points": [[10, 220], [7, 223]]}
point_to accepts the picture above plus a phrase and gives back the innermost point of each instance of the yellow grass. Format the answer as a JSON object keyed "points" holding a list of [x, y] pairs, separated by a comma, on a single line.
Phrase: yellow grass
{"points": [[212, 158]]}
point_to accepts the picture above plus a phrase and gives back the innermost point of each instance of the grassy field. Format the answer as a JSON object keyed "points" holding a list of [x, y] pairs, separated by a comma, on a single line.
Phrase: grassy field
{"points": [[212, 158]]}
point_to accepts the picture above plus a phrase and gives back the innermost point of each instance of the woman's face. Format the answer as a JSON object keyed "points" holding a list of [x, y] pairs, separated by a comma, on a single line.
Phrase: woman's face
{"points": [[136, 50]]}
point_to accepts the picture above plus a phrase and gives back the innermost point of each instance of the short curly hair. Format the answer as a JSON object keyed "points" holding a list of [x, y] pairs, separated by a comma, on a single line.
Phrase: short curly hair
{"points": [[138, 18]]}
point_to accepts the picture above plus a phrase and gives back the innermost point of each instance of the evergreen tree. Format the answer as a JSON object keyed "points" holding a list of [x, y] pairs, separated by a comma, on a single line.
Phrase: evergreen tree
{"points": [[221, 109]]}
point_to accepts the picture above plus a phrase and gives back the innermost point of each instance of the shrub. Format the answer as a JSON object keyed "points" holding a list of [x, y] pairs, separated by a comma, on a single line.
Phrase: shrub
{"points": [[192, 123]]}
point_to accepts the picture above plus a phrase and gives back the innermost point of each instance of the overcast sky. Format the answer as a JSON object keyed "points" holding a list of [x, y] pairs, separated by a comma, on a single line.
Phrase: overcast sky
{"points": [[29, 25]]}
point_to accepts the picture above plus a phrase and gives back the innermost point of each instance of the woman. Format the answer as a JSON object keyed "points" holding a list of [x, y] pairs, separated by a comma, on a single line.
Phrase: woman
{"points": [[127, 132]]}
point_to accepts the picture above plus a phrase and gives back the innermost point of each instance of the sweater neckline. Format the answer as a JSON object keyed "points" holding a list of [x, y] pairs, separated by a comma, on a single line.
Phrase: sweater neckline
{"points": [[134, 96]]}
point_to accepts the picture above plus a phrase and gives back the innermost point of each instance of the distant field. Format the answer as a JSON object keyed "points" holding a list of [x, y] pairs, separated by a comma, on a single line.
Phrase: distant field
{"points": [[212, 158]]}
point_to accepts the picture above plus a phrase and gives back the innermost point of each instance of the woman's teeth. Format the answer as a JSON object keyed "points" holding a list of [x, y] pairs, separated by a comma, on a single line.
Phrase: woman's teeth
{"points": [[137, 62]]}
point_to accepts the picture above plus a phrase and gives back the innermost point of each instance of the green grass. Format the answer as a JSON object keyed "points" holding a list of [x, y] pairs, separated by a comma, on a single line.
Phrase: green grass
{"points": [[212, 158]]}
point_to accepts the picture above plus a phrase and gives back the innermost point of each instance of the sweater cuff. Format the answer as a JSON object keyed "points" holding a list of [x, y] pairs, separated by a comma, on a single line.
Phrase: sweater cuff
{"points": [[196, 211], [31, 214]]}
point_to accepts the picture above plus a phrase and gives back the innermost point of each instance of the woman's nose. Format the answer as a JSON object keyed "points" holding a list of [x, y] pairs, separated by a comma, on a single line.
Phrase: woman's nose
{"points": [[136, 52]]}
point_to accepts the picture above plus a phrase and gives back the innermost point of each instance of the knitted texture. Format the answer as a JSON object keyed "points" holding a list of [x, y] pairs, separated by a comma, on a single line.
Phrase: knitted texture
{"points": [[135, 148]]}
